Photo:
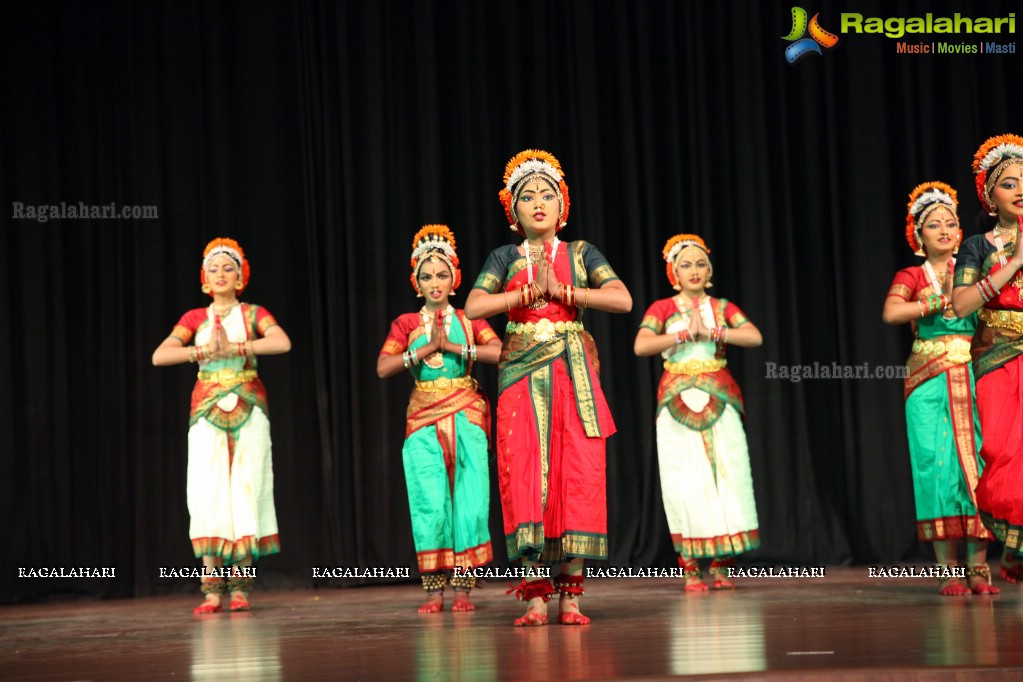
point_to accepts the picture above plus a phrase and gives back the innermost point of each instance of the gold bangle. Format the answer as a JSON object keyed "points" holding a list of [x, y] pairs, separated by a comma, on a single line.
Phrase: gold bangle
{"points": [[507, 302], [586, 298]]}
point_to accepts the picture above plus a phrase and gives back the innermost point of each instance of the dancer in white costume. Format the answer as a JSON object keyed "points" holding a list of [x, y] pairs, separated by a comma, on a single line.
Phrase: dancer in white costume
{"points": [[701, 444], [230, 469]]}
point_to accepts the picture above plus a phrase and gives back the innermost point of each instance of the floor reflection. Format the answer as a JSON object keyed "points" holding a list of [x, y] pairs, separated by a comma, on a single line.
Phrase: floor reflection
{"points": [[962, 633], [715, 633], [235, 646], [845, 625], [455, 649]]}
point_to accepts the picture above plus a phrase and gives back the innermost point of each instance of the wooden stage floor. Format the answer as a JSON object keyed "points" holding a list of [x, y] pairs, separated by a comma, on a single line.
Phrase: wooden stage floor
{"points": [[844, 626]]}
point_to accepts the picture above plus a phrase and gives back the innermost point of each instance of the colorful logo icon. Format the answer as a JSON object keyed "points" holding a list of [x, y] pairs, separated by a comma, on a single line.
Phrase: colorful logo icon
{"points": [[801, 46]]}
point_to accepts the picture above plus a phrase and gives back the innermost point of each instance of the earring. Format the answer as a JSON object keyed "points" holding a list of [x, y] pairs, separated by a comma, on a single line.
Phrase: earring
{"points": [[238, 285], [206, 288], [419, 292]]}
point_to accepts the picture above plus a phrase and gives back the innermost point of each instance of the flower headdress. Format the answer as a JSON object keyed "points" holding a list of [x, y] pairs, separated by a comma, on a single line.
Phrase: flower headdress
{"points": [[990, 160], [678, 245], [924, 199], [525, 166], [434, 241], [230, 248]]}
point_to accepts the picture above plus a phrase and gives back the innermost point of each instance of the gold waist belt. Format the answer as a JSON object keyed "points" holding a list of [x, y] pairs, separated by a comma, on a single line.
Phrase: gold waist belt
{"points": [[695, 366], [1003, 319], [227, 377], [957, 347], [544, 329], [444, 384]]}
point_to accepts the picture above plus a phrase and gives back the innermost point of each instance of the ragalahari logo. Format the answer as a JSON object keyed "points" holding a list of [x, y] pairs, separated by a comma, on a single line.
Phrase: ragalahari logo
{"points": [[801, 46]]}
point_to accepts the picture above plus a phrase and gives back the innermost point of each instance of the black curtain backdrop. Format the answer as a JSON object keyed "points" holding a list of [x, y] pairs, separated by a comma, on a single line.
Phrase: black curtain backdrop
{"points": [[322, 135]]}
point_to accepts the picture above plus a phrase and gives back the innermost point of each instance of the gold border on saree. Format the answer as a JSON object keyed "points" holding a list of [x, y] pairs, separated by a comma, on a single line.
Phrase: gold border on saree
{"points": [[227, 377], [957, 349], [1003, 319], [694, 366], [443, 384], [544, 329]]}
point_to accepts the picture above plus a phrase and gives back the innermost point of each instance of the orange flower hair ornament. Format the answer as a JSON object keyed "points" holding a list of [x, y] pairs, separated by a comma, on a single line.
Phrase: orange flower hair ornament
{"points": [[434, 241], [990, 160], [230, 248], [527, 165], [924, 199], [678, 245]]}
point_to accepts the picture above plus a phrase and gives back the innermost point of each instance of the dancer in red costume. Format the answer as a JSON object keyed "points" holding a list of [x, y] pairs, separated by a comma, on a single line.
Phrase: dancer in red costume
{"points": [[230, 468], [988, 279], [447, 423], [552, 418]]}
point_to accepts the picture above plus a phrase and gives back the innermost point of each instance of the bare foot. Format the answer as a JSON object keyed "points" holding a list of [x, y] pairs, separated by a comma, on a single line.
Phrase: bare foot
{"points": [[568, 611], [1011, 569], [434, 603], [979, 579], [719, 570], [239, 601], [536, 614], [693, 575], [462, 602], [952, 587], [211, 605]]}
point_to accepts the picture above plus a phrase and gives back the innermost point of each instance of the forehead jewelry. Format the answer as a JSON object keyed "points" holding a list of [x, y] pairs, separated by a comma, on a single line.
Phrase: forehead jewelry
{"points": [[227, 251]]}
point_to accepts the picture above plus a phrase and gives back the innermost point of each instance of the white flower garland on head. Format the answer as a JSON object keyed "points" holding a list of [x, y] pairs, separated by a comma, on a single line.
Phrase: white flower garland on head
{"points": [[931, 196], [1002, 150], [217, 250], [434, 243], [530, 167], [673, 253]]}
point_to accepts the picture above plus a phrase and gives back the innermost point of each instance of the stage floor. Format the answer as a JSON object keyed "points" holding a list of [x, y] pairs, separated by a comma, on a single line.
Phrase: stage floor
{"points": [[843, 626]]}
